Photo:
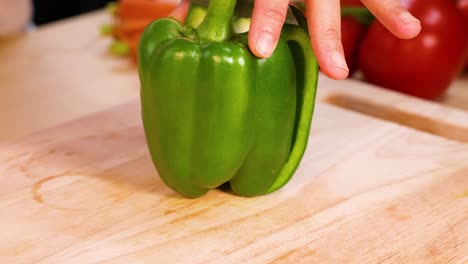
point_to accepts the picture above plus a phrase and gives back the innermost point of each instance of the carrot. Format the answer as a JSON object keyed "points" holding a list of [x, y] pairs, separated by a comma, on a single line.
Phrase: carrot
{"points": [[148, 9], [133, 42], [121, 34], [130, 38], [131, 25], [132, 17]]}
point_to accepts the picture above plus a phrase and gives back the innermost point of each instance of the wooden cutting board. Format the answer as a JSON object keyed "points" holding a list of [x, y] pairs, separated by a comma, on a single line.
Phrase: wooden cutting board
{"points": [[369, 190]]}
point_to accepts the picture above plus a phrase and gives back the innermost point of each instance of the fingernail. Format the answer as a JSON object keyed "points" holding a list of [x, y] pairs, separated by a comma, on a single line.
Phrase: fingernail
{"points": [[338, 60], [264, 44], [406, 17]]}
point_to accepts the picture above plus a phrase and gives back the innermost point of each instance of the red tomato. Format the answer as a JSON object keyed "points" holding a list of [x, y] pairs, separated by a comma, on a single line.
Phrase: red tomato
{"points": [[148, 9], [424, 66], [352, 33], [463, 7], [351, 3]]}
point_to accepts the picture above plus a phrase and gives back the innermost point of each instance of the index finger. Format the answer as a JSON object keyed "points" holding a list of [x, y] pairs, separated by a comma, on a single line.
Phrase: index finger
{"points": [[324, 20], [267, 22]]}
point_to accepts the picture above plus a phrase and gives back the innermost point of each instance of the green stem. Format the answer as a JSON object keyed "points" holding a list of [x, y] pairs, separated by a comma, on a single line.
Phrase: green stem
{"points": [[195, 15], [217, 24]]}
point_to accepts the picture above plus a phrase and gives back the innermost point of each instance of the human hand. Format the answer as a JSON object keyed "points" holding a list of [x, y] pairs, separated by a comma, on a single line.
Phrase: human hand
{"points": [[324, 21], [14, 16], [181, 11]]}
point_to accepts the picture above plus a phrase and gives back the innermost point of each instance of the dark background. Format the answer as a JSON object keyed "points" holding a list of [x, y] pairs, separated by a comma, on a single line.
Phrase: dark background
{"points": [[46, 11]]}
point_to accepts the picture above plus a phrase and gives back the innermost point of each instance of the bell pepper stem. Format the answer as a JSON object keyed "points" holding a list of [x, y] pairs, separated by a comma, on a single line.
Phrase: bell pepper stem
{"points": [[195, 15], [217, 24]]}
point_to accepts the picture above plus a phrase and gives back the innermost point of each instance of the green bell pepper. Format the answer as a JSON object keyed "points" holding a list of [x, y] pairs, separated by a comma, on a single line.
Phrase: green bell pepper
{"points": [[214, 113]]}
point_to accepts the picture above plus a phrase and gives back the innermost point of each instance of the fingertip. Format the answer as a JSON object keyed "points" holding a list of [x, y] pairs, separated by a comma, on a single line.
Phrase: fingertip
{"points": [[411, 30], [262, 45], [331, 59], [334, 66], [395, 17], [409, 26], [335, 73], [267, 21], [180, 12]]}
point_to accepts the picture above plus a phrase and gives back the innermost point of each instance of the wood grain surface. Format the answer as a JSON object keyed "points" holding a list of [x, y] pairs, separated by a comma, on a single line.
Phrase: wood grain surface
{"points": [[367, 191], [384, 178]]}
